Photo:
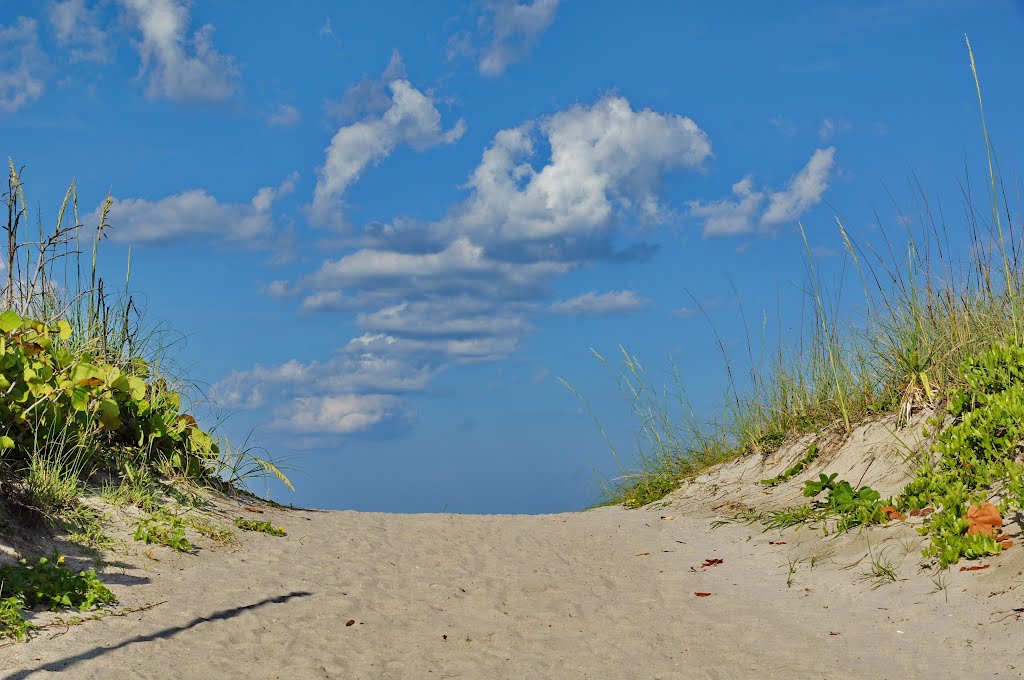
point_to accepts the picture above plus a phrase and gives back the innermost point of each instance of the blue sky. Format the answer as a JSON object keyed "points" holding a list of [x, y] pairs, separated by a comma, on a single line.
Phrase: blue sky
{"points": [[388, 228]]}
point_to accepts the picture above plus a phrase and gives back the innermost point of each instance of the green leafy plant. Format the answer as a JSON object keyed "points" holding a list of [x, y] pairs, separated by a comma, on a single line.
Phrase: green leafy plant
{"points": [[45, 582], [12, 622], [163, 529], [262, 527], [975, 456]]}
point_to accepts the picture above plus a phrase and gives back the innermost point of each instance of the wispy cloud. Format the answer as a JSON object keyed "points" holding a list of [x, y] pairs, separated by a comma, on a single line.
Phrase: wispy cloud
{"points": [[410, 119], [830, 128], [22, 65], [179, 67], [785, 126], [513, 28], [284, 115], [78, 28], [594, 303], [195, 213], [747, 212]]}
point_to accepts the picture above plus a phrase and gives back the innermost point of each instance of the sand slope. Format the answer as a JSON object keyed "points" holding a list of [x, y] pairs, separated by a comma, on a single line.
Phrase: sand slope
{"points": [[600, 594]]}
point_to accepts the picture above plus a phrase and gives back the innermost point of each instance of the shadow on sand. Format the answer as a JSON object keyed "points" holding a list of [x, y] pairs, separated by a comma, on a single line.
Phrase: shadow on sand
{"points": [[69, 662]]}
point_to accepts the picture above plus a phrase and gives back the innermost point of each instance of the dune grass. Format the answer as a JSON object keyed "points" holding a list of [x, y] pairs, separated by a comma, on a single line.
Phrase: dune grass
{"points": [[925, 308]]}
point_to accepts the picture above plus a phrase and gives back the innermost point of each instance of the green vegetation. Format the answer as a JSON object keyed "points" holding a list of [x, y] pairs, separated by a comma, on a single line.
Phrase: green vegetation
{"points": [[91, 406], [808, 458], [262, 527], [49, 584], [163, 529], [937, 330], [977, 456]]}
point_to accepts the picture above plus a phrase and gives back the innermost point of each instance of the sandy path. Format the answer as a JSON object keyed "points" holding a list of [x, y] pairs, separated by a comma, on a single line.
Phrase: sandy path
{"points": [[602, 594]]}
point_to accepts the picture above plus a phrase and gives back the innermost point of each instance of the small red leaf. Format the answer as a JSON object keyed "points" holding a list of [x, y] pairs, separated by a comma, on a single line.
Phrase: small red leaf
{"points": [[1004, 537], [1006, 544], [703, 594], [350, 622], [253, 509], [776, 543], [976, 567], [922, 512], [711, 563]]}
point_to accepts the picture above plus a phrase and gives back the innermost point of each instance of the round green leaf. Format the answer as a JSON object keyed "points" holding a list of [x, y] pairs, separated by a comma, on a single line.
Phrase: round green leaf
{"points": [[9, 321]]}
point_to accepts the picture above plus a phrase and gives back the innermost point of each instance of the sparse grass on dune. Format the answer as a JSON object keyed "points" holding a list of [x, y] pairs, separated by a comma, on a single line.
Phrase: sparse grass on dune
{"points": [[925, 308]]}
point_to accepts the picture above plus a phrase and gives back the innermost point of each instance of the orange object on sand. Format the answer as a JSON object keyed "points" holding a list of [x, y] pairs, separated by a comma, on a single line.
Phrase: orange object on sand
{"points": [[892, 513], [985, 519]]}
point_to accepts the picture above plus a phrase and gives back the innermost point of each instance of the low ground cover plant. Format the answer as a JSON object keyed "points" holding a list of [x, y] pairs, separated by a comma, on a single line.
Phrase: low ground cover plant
{"points": [[262, 527], [163, 529], [48, 584]]}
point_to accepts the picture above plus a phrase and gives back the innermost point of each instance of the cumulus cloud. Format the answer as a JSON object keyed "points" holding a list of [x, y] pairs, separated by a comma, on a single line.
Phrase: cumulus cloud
{"points": [[753, 210], [194, 213], [179, 67], [594, 303], [410, 118], [514, 29], [284, 115], [77, 28], [22, 64], [545, 198], [602, 158]]}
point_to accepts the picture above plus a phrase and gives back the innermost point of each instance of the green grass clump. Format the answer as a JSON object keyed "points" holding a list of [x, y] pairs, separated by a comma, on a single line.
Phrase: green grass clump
{"points": [[928, 302], [262, 527], [808, 458], [49, 584]]}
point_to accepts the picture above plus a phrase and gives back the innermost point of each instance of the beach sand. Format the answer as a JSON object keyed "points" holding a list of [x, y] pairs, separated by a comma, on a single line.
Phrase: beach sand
{"points": [[604, 594]]}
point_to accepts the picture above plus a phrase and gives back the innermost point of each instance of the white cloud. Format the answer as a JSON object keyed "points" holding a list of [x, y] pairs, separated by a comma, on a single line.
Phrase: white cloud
{"points": [[461, 267], [180, 68], [196, 213], [284, 115], [410, 118], [594, 303], [730, 217], [804, 190], [77, 27], [603, 157], [22, 65], [339, 414], [452, 317], [462, 289], [514, 29], [747, 212]]}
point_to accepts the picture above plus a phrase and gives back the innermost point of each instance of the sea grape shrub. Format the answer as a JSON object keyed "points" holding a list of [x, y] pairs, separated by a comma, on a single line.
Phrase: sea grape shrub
{"points": [[51, 391], [976, 454]]}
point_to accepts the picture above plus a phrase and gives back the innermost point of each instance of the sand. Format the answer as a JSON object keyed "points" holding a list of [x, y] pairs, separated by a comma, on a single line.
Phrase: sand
{"points": [[608, 593]]}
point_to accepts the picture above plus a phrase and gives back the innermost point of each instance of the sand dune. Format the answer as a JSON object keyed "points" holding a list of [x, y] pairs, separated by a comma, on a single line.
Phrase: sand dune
{"points": [[603, 594], [608, 593]]}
